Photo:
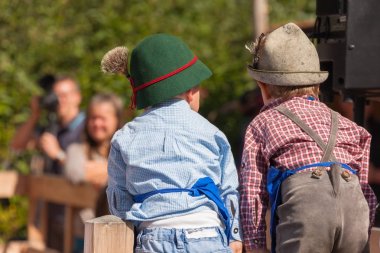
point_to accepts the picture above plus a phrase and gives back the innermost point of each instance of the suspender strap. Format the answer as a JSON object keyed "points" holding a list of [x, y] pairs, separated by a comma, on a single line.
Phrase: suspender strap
{"points": [[327, 148], [328, 155]]}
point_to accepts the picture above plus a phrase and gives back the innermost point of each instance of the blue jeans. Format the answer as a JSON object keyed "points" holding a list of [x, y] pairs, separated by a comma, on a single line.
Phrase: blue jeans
{"points": [[165, 240]]}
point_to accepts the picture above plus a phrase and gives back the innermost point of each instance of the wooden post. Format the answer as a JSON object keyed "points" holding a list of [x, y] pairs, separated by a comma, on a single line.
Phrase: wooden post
{"points": [[108, 234], [12, 183], [68, 230], [260, 17], [37, 223]]}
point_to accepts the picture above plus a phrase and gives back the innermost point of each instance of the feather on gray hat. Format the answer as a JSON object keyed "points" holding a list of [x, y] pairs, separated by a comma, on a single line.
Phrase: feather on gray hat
{"points": [[285, 57]]}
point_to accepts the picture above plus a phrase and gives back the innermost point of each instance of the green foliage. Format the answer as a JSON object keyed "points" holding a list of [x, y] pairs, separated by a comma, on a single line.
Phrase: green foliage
{"points": [[71, 37], [281, 11], [13, 217]]}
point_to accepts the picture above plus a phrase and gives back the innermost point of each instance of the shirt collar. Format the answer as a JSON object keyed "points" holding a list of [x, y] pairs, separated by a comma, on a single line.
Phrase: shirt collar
{"points": [[276, 102], [176, 102]]}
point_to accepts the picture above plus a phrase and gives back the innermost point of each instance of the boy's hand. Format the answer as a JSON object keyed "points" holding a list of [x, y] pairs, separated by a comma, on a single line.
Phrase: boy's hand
{"points": [[236, 246]]}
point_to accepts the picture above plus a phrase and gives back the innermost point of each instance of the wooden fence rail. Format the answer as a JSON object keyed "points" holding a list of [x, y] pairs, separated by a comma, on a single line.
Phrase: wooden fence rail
{"points": [[43, 189]]}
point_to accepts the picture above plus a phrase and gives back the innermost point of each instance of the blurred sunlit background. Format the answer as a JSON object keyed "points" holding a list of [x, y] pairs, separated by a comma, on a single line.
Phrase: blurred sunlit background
{"points": [[70, 37]]}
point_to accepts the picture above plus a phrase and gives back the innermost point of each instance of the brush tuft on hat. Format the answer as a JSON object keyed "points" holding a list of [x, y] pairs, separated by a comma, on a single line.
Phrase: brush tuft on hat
{"points": [[250, 46], [115, 61]]}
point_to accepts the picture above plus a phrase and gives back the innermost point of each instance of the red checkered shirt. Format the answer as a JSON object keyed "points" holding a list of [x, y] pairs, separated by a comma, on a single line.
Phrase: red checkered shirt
{"points": [[273, 139]]}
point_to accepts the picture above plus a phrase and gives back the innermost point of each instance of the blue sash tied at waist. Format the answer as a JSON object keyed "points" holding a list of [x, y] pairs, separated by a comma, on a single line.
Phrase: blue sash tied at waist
{"points": [[275, 177], [204, 186]]}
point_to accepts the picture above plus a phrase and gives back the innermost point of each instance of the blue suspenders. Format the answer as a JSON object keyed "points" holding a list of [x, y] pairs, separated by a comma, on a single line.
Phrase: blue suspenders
{"points": [[204, 186]]}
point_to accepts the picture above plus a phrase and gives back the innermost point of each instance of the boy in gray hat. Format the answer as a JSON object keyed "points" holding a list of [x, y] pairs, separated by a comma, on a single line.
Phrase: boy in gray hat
{"points": [[308, 161]]}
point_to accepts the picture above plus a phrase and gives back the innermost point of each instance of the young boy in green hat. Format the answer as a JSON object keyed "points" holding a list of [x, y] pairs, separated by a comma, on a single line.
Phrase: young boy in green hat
{"points": [[308, 161], [171, 172]]}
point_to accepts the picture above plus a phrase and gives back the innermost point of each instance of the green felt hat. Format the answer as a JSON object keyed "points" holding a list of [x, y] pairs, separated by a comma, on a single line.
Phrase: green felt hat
{"points": [[161, 67]]}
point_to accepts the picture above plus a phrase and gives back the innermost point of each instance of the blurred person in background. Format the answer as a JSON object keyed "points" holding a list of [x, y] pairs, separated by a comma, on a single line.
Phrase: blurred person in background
{"points": [[87, 161], [61, 132], [65, 126]]}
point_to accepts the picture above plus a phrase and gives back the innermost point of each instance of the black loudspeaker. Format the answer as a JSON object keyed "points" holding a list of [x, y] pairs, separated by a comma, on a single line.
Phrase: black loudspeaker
{"points": [[347, 34]]}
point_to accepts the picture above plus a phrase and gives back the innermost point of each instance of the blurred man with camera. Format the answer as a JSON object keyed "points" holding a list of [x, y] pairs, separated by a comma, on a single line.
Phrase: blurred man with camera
{"points": [[65, 127], [64, 123]]}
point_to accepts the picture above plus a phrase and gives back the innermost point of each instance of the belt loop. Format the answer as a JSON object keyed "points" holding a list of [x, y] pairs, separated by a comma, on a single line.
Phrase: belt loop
{"points": [[138, 238], [179, 238], [222, 235]]}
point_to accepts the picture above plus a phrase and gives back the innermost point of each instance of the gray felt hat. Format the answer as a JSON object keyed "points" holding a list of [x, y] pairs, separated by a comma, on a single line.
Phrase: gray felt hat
{"points": [[285, 57]]}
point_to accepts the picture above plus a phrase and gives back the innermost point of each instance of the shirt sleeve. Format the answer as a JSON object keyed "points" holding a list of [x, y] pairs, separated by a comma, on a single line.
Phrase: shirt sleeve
{"points": [[254, 196], [119, 200], [365, 142], [229, 186]]}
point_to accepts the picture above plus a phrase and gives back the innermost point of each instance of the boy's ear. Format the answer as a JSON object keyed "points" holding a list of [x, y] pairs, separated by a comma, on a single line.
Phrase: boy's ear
{"points": [[189, 95], [265, 92], [261, 85]]}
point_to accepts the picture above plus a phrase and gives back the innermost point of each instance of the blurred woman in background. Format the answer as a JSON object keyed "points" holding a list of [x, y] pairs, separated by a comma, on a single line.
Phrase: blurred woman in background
{"points": [[87, 161]]}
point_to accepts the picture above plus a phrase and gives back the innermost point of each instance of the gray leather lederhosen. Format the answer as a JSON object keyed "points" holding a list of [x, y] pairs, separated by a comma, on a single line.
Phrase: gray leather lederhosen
{"points": [[322, 210]]}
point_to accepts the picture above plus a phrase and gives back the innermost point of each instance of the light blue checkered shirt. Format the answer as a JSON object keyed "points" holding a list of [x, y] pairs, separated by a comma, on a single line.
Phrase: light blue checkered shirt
{"points": [[170, 146]]}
